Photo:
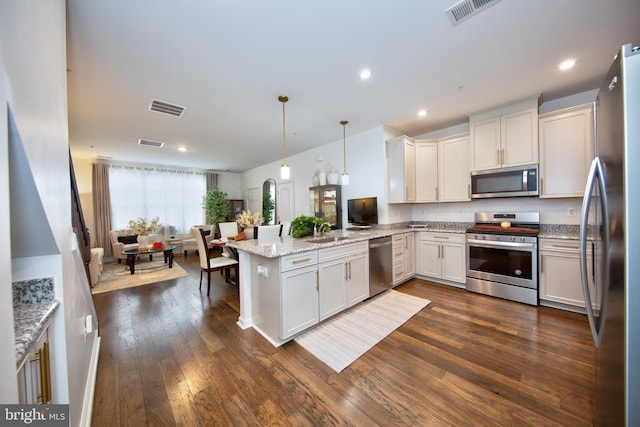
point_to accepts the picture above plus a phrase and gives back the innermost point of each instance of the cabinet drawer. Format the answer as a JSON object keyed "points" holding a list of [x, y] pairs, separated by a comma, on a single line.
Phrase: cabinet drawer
{"points": [[303, 259], [342, 251], [442, 237], [560, 245]]}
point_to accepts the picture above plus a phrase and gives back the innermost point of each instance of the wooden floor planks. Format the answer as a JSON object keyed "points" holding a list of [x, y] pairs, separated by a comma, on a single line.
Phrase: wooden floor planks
{"points": [[171, 356]]}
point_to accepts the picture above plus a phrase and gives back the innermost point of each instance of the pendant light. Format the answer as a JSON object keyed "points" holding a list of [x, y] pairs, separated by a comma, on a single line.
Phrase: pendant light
{"points": [[284, 169], [345, 175]]}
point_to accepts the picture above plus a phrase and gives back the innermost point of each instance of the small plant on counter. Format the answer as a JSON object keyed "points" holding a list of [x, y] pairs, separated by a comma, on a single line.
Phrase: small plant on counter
{"points": [[304, 225], [247, 219]]}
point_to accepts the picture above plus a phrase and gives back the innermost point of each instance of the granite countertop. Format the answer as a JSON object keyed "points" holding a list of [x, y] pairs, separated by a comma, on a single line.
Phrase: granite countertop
{"points": [[281, 246], [33, 308], [560, 231]]}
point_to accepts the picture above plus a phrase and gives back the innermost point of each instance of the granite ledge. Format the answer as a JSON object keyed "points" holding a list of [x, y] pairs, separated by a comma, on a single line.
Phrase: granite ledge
{"points": [[33, 308], [29, 322]]}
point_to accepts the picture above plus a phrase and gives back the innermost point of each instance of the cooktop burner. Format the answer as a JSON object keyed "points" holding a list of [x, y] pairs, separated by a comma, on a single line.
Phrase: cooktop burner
{"points": [[518, 224], [497, 229]]}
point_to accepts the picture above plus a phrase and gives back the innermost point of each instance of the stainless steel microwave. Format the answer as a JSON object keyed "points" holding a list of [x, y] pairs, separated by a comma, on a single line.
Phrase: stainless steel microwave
{"points": [[514, 181]]}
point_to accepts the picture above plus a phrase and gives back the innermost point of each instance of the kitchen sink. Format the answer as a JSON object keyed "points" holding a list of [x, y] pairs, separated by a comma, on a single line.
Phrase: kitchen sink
{"points": [[327, 239]]}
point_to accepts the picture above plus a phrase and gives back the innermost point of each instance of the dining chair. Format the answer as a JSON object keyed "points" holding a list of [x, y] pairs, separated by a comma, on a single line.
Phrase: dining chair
{"points": [[228, 229], [266, 232], [210, 264]]}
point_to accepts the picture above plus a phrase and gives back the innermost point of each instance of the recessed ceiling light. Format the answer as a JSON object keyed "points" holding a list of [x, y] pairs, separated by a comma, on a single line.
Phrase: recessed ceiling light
{"points": [[567, 64], [365, 74], [422, 113], [183, 149]]}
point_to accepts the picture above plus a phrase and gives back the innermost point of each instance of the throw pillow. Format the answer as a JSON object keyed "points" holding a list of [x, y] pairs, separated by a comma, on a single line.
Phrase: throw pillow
{"points": [[127, 240], [206, 232]]}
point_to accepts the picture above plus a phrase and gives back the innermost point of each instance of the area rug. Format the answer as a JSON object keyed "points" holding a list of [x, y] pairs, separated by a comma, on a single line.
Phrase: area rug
{"points": [[341, 340], [117, 276]]}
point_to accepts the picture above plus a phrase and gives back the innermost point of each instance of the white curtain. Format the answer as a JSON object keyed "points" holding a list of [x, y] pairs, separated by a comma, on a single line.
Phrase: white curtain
{"points": [[143, 192]]}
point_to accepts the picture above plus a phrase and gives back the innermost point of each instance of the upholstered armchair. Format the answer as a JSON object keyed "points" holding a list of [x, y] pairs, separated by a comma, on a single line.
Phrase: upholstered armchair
{"points": [[122, 240], [189, 242]]}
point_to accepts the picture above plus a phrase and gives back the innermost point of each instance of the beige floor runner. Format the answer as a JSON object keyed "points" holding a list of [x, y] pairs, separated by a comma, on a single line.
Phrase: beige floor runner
{"points": [[342, 339]]}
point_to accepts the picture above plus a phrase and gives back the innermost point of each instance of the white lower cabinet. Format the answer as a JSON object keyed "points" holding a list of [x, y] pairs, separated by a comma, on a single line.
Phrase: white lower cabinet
{"points": [[316, 285], [343, 277], [403, 257], [34, 375], [560, 278], [441, 256], [299, 293]]}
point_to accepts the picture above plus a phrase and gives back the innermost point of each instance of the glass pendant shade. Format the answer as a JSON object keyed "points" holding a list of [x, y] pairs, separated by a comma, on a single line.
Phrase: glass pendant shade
{"points": [[285, 172], [345, 175]]}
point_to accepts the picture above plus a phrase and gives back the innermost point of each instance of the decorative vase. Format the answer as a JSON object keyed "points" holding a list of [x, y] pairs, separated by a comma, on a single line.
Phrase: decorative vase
{"points": [[322, 177], [333, 177], [315, 180], [249, 232], [143, 239]]}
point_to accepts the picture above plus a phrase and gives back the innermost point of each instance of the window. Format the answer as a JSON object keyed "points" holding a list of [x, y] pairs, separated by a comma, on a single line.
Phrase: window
{"points": [[174, 196]]}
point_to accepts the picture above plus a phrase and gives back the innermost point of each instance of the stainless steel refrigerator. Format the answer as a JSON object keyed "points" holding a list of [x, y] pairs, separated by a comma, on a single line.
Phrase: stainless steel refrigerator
{"points": [[610, 226]]}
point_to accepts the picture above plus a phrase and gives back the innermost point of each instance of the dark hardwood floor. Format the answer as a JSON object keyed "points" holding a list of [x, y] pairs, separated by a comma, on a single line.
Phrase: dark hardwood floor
{"points": [[170, 355]]}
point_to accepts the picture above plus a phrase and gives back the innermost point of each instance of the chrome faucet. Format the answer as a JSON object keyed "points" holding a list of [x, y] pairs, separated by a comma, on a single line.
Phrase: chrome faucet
{"points": [[321, 229]]}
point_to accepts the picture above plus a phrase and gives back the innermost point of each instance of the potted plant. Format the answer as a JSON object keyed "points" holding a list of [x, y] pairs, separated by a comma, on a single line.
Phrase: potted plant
{"points": [[304, 225], [216, 205], [268, 207]]}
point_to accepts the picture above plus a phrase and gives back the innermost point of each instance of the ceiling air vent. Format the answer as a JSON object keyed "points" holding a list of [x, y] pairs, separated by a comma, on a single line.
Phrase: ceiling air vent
{"points": [[149, 143], [467, 8], [166, 108]]}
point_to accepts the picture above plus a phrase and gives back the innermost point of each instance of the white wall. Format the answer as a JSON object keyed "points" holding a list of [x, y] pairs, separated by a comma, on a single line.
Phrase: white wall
{"points": [[365, 165], [33, 58]]}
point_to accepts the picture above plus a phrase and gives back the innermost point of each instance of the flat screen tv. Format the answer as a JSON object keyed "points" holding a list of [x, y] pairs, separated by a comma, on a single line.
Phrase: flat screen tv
{"points": [[363, 211]]}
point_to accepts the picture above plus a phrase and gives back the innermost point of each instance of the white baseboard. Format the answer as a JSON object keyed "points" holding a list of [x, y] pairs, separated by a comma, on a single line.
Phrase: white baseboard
{"points": [[89, 391]]}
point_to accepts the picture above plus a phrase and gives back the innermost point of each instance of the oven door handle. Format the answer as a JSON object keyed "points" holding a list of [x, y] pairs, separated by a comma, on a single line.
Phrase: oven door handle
{"points": [[485, 244]]}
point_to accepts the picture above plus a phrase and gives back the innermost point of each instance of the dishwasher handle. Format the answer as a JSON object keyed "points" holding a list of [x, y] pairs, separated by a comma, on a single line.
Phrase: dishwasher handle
{"points": [[379, 243]]}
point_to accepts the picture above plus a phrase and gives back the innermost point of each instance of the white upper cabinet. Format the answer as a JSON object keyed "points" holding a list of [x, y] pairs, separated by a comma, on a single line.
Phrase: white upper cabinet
{"points": [[426, 171], [441, 169], [453, 170], [401, 161], [505, 136], [566, 151]]}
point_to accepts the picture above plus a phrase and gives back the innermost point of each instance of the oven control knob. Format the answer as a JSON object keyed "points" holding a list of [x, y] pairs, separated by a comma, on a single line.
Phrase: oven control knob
{"points": [[523, 239], [513, 239]]}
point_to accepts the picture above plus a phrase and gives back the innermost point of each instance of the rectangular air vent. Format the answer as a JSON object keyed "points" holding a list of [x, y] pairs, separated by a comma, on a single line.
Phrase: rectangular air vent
{"points": [[166, 108], [467, 8], [149, 143]]}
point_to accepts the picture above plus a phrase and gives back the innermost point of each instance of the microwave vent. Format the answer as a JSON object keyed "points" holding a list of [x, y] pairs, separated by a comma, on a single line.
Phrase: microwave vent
{"points": [[465, 9]]}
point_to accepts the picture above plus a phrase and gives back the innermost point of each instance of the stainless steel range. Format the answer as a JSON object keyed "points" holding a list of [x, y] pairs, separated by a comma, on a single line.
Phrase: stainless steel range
{"points": [[502, 255]]}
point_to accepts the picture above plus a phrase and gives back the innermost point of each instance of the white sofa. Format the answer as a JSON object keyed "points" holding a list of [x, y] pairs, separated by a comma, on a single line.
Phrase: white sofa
{"points": [[118, 246], [95, 265]]}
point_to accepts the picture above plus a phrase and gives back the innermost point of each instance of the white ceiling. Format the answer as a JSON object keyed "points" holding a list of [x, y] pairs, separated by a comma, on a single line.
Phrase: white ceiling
{"points": [[227, 61]]}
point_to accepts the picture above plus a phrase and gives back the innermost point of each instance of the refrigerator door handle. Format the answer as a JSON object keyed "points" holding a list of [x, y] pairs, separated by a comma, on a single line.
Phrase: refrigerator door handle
{"points": [[596, 172]]}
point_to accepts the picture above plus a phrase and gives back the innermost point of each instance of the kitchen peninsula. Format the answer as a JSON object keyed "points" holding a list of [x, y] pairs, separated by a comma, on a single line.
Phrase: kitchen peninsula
{"points": [[288, 285]]}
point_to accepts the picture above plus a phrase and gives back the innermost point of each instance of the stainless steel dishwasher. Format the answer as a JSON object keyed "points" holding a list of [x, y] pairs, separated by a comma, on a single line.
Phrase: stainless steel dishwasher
{"points": [[380, 265]]}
